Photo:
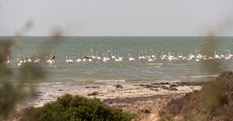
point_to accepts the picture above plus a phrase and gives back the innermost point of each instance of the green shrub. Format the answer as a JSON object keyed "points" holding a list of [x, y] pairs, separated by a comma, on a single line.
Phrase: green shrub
{"points": [[76, 108]]}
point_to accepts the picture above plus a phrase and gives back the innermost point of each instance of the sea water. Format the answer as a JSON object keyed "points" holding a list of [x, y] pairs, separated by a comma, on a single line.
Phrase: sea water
{"points": [[60, 73]]}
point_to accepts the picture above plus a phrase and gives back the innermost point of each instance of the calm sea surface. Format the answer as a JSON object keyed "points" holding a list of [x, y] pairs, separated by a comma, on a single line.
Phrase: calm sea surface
{"points": [[111, 72]]}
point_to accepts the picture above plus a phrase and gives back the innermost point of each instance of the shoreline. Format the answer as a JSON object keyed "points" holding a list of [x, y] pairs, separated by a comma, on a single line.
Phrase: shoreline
{"points": [[143, 100]]}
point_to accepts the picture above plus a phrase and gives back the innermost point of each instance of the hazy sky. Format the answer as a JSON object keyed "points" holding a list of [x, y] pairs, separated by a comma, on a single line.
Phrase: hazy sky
{"points": [[114, 17]]}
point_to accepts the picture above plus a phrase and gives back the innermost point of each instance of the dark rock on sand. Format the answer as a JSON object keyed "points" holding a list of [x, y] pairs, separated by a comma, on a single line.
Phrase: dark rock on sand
{"points": [[145, 111], [119, 87], [154, 89], [163, 83], [92, 87], [93, 93], [174, 85], [172, 89], [164, 87], [39, 92]]}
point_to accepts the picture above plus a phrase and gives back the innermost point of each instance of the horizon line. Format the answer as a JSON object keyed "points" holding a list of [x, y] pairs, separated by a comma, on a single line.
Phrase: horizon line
{"points": [[121, 36]]}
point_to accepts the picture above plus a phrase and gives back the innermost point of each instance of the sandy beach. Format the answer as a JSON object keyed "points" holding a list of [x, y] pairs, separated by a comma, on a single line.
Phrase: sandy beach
{"points": [[144, 100]]}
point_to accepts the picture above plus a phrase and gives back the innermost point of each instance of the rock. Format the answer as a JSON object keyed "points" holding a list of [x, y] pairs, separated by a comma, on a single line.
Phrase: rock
{"points": [[145, 111], [174, 85], [154, 89], [155, 84], [165, 87], [92, 87], [163, 83], [119, 87], [93, 93], [172, 89], [60, 90], [39, 92], [95, 86]]}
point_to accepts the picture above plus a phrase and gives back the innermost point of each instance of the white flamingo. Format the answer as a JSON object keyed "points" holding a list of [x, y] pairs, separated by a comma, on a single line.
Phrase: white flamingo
{"points": [[141, 56], [79, 60], [24, 60], [68, 60], [163, 56], [97, 56], [19, 62], [37, 60], [8, 60], [150, 59], [216, 56], [105, 58], [120, 59], [131, 58], [152, 54], [191, 57], [90, 59], [229, 55], [113, 56], [29, 59]]}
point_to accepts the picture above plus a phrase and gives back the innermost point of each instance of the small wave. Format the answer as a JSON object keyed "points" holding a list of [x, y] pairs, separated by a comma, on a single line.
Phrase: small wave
{"points": [[203, 76], [151, 64], [121, 80], [159, 64], [184, 64], [50, 83], [150, 80], [99, 82]]}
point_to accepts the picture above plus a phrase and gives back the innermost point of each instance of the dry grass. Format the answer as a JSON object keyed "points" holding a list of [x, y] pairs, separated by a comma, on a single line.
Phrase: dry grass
{"points": [[212, 102]]}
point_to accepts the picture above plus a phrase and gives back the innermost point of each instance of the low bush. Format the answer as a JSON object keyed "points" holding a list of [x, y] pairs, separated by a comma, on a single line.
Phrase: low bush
{"points": [[76, 108]]}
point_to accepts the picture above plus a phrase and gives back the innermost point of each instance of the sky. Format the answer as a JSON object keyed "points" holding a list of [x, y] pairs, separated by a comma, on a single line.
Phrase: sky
{"points": [[116, 17]]}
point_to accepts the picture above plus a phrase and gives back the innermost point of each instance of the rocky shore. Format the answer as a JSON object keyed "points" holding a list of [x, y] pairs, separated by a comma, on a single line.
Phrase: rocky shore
{"points": [[144, 100]]}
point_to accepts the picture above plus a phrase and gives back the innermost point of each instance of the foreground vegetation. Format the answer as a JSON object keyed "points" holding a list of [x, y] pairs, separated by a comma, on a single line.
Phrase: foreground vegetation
{"points": [[214, 102], [66, 108], [75, 108]]}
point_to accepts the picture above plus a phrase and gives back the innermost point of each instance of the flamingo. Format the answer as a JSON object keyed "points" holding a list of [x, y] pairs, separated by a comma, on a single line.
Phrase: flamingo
{"points": [[131, 58], [97, 56], [105, 58], [19, 62], [92, 55], [191, 57], [24, 60], [152, 54], [113, 56], [29, 59], [180, 56], [141, 56], [79, 60], [8, 60], [229, 55], [68, 60], [150, 59], [37, 60], [90, 59], [51, 59], [120, 59], [216, 56], [163, 56]]}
